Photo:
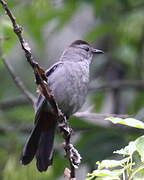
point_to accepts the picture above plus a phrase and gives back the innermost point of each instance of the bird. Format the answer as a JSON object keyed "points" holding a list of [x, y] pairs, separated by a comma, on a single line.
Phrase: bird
{"points": [[68, 79]]}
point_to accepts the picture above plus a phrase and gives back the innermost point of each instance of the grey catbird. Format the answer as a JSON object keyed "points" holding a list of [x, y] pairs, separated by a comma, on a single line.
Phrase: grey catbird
{"points": [[68, 80]]}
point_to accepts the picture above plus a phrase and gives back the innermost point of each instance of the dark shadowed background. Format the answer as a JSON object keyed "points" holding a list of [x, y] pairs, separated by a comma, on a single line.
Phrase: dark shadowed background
{"points": [[117, 77]]}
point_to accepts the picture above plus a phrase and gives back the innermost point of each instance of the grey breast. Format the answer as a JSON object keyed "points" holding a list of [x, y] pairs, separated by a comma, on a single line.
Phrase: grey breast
{"points": [[69, 83]]}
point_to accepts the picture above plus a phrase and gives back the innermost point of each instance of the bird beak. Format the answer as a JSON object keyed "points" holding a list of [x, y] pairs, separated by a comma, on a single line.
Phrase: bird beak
{"points": [[97, 51]]}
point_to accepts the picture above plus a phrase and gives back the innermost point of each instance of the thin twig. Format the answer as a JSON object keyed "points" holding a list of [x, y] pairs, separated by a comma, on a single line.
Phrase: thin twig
{"points": [[6, 128], [97, 118], [121, 84], [17, 80], [41, 80], [14, 102], [89, 116]]}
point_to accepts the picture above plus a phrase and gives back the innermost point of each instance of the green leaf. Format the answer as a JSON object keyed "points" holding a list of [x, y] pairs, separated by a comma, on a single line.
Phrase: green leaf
{"points": [[105, 172], [128, 150], [111, 163], [128, 121], [139, 143]]}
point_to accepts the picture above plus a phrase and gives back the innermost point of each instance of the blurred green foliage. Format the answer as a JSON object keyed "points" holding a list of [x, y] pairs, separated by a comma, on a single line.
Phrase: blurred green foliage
{"points": [[118, 30], [130, 163]]}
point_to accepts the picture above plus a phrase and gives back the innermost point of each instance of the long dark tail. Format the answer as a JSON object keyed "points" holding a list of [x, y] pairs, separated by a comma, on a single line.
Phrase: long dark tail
{"points": [[44, 153], [31, 146], [40, 143]]}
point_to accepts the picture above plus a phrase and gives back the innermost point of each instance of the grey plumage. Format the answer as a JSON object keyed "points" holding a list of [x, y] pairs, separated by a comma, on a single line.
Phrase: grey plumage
{"points": [[68, 80]]}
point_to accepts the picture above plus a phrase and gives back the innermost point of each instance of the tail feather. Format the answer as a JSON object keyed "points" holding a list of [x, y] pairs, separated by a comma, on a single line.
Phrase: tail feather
{"points": [[44, 153], [31, 146], [40, 142]]}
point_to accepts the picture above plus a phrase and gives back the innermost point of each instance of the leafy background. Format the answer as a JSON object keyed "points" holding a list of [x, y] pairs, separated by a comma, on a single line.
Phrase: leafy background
{"points": [[115, 26]]}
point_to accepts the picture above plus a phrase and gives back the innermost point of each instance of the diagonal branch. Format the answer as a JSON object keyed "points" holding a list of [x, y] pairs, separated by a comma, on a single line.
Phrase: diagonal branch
{"points": [[41, 80]]}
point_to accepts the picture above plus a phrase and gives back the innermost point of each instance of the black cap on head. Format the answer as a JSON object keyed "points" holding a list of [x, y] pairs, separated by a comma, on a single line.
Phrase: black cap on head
{"points": [[78, 42], [81, 42]]}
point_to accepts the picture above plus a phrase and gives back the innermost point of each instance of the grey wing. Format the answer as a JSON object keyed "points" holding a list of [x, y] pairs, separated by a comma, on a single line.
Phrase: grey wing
{"points": [[41, 101]]}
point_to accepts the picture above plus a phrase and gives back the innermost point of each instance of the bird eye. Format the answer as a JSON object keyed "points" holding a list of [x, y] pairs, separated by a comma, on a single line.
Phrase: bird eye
{"points": [[86, 48]]}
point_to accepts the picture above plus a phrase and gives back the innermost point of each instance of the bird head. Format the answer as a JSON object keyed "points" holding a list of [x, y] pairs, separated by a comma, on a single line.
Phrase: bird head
{"points": [[80, 50]]}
